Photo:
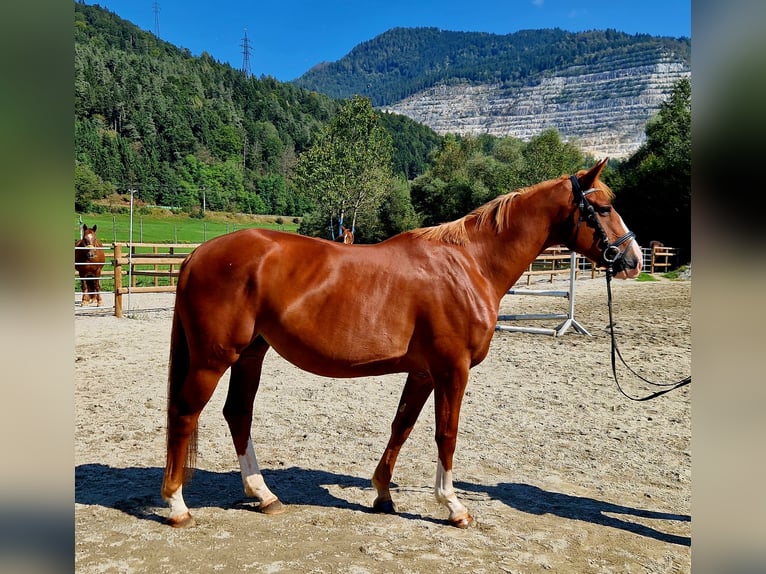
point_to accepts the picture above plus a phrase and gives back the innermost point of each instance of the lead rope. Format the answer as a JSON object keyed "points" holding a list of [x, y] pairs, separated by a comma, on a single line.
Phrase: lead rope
{"points": [[616, 353]]}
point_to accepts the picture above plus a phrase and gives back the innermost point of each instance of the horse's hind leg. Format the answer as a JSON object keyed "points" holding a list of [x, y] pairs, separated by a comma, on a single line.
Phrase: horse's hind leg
{"points": [[238, 412], [416, 391], [185, 404]]}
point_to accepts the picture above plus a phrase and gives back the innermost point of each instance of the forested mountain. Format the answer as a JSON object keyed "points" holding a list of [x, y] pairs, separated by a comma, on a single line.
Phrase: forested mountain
{"points": [[405, 61], [150, 116], [598, 87]]}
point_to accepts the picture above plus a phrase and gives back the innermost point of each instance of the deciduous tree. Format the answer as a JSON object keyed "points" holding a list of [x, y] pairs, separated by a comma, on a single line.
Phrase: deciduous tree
{"points": [[349, 168]]}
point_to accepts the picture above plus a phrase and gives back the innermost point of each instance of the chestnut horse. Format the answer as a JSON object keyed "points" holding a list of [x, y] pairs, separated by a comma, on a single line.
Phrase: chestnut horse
{"points": [[348, 236], [89, 261], [424, 302]]}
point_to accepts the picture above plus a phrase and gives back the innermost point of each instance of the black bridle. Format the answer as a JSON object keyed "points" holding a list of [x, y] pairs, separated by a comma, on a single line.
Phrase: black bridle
{"points": [[611, 255]]}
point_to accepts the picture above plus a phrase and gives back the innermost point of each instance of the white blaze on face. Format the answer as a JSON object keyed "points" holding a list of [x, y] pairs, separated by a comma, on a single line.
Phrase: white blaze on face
{"points": [[252, 478], [445, 492], [632, 251]]}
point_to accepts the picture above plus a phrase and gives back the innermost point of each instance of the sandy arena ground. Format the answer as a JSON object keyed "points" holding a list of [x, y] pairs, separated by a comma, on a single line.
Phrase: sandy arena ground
{"points": [[561, 472]]}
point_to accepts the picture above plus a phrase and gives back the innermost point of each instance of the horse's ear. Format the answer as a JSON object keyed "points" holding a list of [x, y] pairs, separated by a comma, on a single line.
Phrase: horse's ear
{"points": [[95, 226], [589, 177]]}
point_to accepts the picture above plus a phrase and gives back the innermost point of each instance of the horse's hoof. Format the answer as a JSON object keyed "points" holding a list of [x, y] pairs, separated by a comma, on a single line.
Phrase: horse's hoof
{"points": [[462, 521], [275, 507], [384, 506], [181, 521]]}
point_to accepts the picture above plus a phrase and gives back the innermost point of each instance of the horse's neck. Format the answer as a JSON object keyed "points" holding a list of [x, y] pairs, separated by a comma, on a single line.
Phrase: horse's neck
{"points": [[505, 255]]}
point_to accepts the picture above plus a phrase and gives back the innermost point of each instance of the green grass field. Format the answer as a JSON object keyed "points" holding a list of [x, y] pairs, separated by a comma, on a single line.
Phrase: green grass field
{"points": [[175, 228], [166, 228]]}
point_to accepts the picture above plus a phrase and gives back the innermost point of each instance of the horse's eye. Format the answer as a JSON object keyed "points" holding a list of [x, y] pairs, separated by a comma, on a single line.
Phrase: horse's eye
{"points": [[603, 209]]}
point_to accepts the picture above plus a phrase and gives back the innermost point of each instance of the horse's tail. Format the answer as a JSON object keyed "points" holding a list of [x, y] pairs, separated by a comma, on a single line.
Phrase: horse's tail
{"points": [[178, 368]]}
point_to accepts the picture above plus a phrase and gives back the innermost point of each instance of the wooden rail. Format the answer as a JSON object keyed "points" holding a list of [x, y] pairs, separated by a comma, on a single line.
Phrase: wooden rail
{"points": [[163, 260], [662, 259]]}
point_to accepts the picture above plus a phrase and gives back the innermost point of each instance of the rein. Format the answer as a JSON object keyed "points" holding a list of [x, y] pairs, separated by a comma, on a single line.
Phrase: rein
{"points": [[616, 353], [611, 255]]}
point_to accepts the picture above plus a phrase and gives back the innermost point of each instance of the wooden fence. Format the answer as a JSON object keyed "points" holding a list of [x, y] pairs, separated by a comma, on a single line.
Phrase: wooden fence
{"points": [[659, 259], [140, 268], [156, 260], [153, 267]]}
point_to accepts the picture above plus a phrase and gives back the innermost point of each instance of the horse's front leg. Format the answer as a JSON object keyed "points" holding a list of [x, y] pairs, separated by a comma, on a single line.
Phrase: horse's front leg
{"points": [[416, 391], [448, 398], [84, 285], [97, 290]]}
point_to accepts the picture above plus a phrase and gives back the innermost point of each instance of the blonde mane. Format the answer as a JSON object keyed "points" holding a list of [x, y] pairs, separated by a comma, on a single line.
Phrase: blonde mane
{"points": [[495, 213]]}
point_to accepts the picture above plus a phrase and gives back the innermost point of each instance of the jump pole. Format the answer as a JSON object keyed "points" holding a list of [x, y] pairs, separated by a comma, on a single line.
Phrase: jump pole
{"points": [[568, 318]]}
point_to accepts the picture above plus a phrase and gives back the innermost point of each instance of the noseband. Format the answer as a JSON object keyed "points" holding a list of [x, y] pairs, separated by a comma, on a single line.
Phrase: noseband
{"points": [[612, 252]]}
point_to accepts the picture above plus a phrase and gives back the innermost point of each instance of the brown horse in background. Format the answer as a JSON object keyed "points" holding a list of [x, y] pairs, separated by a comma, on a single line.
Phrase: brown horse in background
{"points": [[424, 302], [89, 261], [348, 236]]}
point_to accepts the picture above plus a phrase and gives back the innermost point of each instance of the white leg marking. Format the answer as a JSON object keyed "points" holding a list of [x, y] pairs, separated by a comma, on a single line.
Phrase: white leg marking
{"points": [[177, 505], [252, 478], [445, 493]]}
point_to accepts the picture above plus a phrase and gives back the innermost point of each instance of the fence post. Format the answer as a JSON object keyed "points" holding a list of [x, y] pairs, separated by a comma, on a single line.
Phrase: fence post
{"points": [[117, 281], [171, 268], [156, 268]]}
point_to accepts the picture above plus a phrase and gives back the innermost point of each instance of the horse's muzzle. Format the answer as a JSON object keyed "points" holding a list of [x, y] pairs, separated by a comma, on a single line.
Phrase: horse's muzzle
{"points": [[628, 264]]}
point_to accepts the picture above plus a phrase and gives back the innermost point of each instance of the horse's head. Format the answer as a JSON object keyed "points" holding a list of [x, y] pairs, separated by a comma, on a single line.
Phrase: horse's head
{"points": [[89, 240], [599, 232], [348, 236]]}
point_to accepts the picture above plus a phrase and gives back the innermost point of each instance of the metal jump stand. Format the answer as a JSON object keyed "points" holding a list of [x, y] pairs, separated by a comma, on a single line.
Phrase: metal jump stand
{"points": [[568, 318]]}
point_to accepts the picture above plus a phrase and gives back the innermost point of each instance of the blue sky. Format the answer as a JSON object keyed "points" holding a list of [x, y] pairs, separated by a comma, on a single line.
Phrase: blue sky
{"points": [[288, 38]]}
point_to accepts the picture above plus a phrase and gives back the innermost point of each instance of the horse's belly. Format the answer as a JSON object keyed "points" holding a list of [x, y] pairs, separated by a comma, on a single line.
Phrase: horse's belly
{"points": [[324, 355]]}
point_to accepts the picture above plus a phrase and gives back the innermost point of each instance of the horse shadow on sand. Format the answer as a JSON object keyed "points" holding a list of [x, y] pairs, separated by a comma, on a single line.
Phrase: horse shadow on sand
{"points": [[135, 491], [534, 500]]}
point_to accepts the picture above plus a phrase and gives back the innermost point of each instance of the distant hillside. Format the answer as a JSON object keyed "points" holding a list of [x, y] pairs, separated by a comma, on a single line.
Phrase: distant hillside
{"points": [[183, 130], [599, 87]]}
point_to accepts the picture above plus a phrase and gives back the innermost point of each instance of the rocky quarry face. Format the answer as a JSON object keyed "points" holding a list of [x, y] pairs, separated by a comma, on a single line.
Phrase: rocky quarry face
{"points": [[604, 112]]}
